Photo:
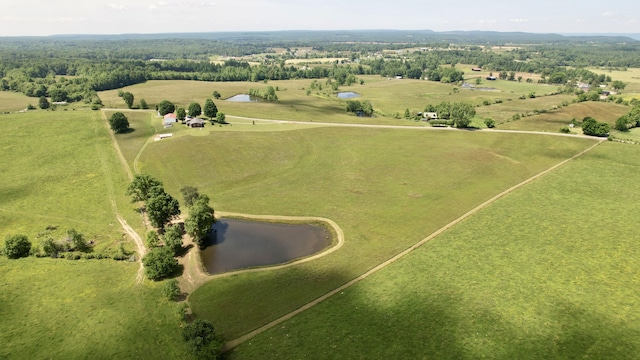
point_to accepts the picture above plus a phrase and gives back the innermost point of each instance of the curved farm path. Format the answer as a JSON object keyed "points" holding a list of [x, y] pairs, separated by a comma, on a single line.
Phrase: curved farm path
{"points": [[194, 274], [233, 343], [127, 229]]}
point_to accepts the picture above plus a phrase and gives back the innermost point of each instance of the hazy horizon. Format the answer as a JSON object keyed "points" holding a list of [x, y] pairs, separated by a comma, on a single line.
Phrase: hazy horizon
{"points": [[66, 17]]}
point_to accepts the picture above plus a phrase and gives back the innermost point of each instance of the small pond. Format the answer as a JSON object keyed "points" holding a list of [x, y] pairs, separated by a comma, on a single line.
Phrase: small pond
{"points": [[348, 95], [239, 244], [243, 98]]}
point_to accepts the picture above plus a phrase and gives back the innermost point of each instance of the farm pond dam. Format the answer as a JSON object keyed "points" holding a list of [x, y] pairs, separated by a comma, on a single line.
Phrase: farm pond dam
{"points": [[240, 244]]}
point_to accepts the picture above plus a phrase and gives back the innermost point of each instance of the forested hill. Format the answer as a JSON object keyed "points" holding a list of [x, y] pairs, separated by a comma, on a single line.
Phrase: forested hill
{"points": [[299, 37]]}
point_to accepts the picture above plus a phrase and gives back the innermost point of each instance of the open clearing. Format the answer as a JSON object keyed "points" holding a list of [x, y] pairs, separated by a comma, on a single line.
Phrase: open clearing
{"points": [[64, 172], [541, 273], [371, 182]]}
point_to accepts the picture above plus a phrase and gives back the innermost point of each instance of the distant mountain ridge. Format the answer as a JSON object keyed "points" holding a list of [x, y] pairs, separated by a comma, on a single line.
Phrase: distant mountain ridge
{"points": [[395, 36]]}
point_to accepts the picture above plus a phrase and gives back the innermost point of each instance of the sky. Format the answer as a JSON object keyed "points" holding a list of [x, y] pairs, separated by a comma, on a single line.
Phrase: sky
{"points": [[52, 17]]}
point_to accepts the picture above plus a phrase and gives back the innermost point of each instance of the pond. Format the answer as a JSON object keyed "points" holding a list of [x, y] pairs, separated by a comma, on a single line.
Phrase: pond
{"points": [[238, 244], [348, 95], [243, 98]]}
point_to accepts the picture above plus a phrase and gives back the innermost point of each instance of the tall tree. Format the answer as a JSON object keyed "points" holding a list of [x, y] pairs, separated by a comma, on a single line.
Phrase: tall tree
{"points": [[190, 194], [195, 109], [201, 218], [141, 187], [165, 107], [161, 208], [181, 114], [210, 109], [159, 263], [43, 103], [118, 122], [128, 99], [173, 238], [461, 113]]}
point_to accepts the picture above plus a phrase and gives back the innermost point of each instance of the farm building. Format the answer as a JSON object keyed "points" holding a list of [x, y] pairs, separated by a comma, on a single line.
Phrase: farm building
{"points": [[492, 78], [195, 122], [169, 120], [476, 69], [426, 116]]}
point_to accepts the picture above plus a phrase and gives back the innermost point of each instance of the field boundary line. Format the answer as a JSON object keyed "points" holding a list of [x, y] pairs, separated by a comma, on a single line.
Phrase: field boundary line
{"points": [[234, 343], [127, 229]]}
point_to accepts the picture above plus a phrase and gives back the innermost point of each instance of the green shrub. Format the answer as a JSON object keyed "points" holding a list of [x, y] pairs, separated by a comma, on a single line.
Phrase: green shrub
{"points": [[17, 246], [171, 290]]}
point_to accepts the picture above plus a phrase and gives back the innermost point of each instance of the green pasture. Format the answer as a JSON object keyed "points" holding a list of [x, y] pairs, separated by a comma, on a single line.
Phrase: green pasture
{"points": [[388, 97], [64, 309], [548, 272], [504, 111], [63, 172], [631, 135], [14, 101], [554, 120], [386, 188], [630, 76]]}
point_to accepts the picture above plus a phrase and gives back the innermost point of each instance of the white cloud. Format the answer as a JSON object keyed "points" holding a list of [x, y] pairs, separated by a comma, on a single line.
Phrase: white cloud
{"points": [[117, 7], [609, 14], [519, 20]]}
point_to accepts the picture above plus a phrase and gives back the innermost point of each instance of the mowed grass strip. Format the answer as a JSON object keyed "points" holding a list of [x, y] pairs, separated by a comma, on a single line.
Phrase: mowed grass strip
{"points": [[387, 189], [549, 272]]}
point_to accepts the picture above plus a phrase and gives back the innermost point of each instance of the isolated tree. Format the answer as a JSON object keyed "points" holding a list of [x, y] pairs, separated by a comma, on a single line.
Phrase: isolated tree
{"points": [[143, 104], [17, 246], [194, 109], [190, 194], [202, 340], [43, 103], [201, 218], [128, 99], [173, 239], [118, 122], [181, 114], [165, 107], [210, 109], [159, 263], [161, 208], [142, 187], [171, 289], [591, 126], [461, 114], [216, 94], [221, 118], [618, 85]]}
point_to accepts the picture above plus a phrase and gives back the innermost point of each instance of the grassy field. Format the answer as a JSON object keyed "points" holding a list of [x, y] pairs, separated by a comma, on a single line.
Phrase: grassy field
{"points": [[548, 272], [372, 182], [554, 120], [388, 97], [64, 172], [13, 101], [62, 309], [504, 111]]}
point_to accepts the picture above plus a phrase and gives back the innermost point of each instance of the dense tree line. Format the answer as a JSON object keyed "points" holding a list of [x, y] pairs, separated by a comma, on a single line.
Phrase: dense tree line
{"points": [[73, 69]]}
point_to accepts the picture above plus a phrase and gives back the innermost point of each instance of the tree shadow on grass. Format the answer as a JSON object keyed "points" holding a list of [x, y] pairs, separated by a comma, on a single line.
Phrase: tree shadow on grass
{"points": [[442, 324], [127, 131]]}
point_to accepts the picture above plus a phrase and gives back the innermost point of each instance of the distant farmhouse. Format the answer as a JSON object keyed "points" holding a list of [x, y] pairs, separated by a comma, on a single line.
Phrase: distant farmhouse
{"points": [[169, 120]]}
